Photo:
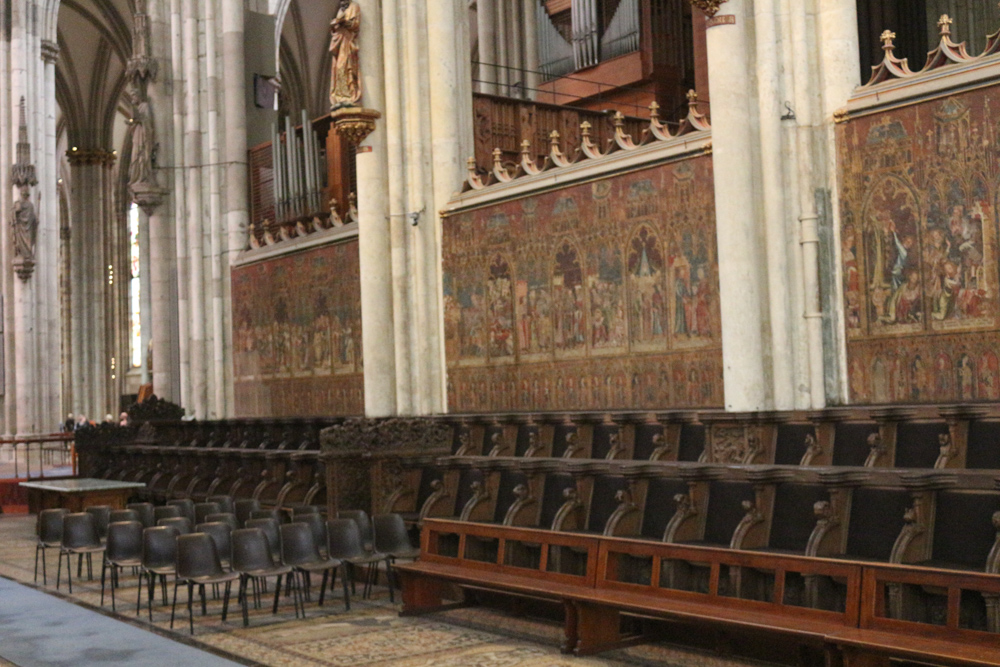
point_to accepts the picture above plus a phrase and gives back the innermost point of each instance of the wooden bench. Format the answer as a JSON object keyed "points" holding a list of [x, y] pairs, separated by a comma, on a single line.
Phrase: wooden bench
{"points": [[596, 579]]}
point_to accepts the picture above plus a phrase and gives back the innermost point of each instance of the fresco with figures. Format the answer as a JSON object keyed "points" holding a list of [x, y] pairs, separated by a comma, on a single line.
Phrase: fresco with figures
{"points": [[297, 334], [603, 295], [919, 250]]}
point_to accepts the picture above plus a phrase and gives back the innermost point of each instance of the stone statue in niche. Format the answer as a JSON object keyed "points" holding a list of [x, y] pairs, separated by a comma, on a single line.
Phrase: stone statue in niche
{"points": [[143, 141], [25, 226], [345, 74]]}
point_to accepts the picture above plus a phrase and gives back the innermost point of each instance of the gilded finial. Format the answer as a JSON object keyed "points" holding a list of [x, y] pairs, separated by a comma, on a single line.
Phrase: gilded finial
{"points": [[585, 128], [692, 96], [887, 37], [525, 147], [471, 163], [497, 157], [619, 119], [554, 137], [944, 25], [654, 110]]}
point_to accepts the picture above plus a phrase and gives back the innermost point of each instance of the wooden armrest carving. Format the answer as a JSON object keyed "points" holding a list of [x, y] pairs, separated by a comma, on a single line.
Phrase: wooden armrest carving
{"points": [[949, 450], [829, 527], [662, 448], [752, 518], [477, 508], [680, 525], [533, 446], [432, 506], [500, 445], [572, 445], [516, 514], [616, 446], [993, 560], [393, 502], [625, 521], [570, 515], [463, 441], [877, 445], [813, 449], [913, 543]]}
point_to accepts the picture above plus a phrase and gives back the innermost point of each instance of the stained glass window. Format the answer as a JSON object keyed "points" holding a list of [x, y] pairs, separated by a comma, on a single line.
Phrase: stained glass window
{"points": [[133, 291]]}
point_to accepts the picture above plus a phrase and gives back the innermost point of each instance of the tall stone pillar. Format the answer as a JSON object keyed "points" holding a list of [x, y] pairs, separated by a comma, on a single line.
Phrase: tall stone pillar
{"points": [[50, 356], [157, 204], [742, 281], [374, 245]]}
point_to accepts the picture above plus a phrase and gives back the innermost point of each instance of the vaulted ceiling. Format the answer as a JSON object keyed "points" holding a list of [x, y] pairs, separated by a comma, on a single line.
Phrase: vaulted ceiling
{"points": [[304, 57], [95, 43]]}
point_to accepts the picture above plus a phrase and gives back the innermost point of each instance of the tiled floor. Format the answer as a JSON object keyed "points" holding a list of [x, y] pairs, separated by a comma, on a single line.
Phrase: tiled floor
{"points": [[372, 634]]}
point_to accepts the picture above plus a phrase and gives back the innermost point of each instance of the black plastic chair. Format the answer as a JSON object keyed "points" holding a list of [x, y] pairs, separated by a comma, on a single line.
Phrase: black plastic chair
{"points": [[49, 531], [102, 517], [318, 527], [274, 513], [80, 538], [364, 523], [179, 523], [252, 560], [123, 549], [222, 534], [299, 550], [224, 517], [270, 528], [225, 503], [202, 510], [159, 558], [243, 507], [186, 507], [165, 512], [345, 544], [117, 516], [146, 512], [198, 565], [390, 538]]}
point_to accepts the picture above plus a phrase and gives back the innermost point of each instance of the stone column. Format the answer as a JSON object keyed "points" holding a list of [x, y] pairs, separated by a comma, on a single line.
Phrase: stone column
{"points": [[237, 197], [742, 283], [393, 118], [374, 246], [450, 97], [49, 241], [163, 268]]}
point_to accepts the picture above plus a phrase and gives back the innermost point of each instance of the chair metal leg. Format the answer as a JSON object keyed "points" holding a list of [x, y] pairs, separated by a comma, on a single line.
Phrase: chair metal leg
{"points": [[104, 569], [243, 598], [225, 601], [114, 584], [138, 594], [37, 549], [173, 607], [190, 608], [45, 578], [343, 579], [322, 588], [277, 592], [204, 605]]}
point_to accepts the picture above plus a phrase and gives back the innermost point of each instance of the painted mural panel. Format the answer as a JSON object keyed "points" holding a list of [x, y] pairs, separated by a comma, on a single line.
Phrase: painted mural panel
{"points": [[919, 251], [297, 334], [597, 296]]}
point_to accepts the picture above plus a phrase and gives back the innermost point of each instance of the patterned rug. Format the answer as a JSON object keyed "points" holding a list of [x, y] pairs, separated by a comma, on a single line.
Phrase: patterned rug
{"points": [[372, 634]]}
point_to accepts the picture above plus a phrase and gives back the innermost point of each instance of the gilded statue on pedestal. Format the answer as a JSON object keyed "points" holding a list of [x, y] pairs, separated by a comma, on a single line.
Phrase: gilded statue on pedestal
{"points": [[345, 75]]}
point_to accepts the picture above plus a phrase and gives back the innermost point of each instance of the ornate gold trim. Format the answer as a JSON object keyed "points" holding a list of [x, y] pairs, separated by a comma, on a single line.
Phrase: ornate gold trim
{"points": [[709, 7]]}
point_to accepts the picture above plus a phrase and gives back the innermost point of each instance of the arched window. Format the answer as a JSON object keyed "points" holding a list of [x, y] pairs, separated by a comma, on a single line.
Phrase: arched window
{"points": [[135, 322]]}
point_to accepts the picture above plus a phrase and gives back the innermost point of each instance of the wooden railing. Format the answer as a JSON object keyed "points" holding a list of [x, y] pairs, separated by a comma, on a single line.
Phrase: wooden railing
{"points": [[880, 610], [46, 449]]}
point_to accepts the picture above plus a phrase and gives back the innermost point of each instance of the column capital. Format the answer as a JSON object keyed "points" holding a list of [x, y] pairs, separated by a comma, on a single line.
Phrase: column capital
{"points": [[709, 7], [50, 51], [84, 156]]}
